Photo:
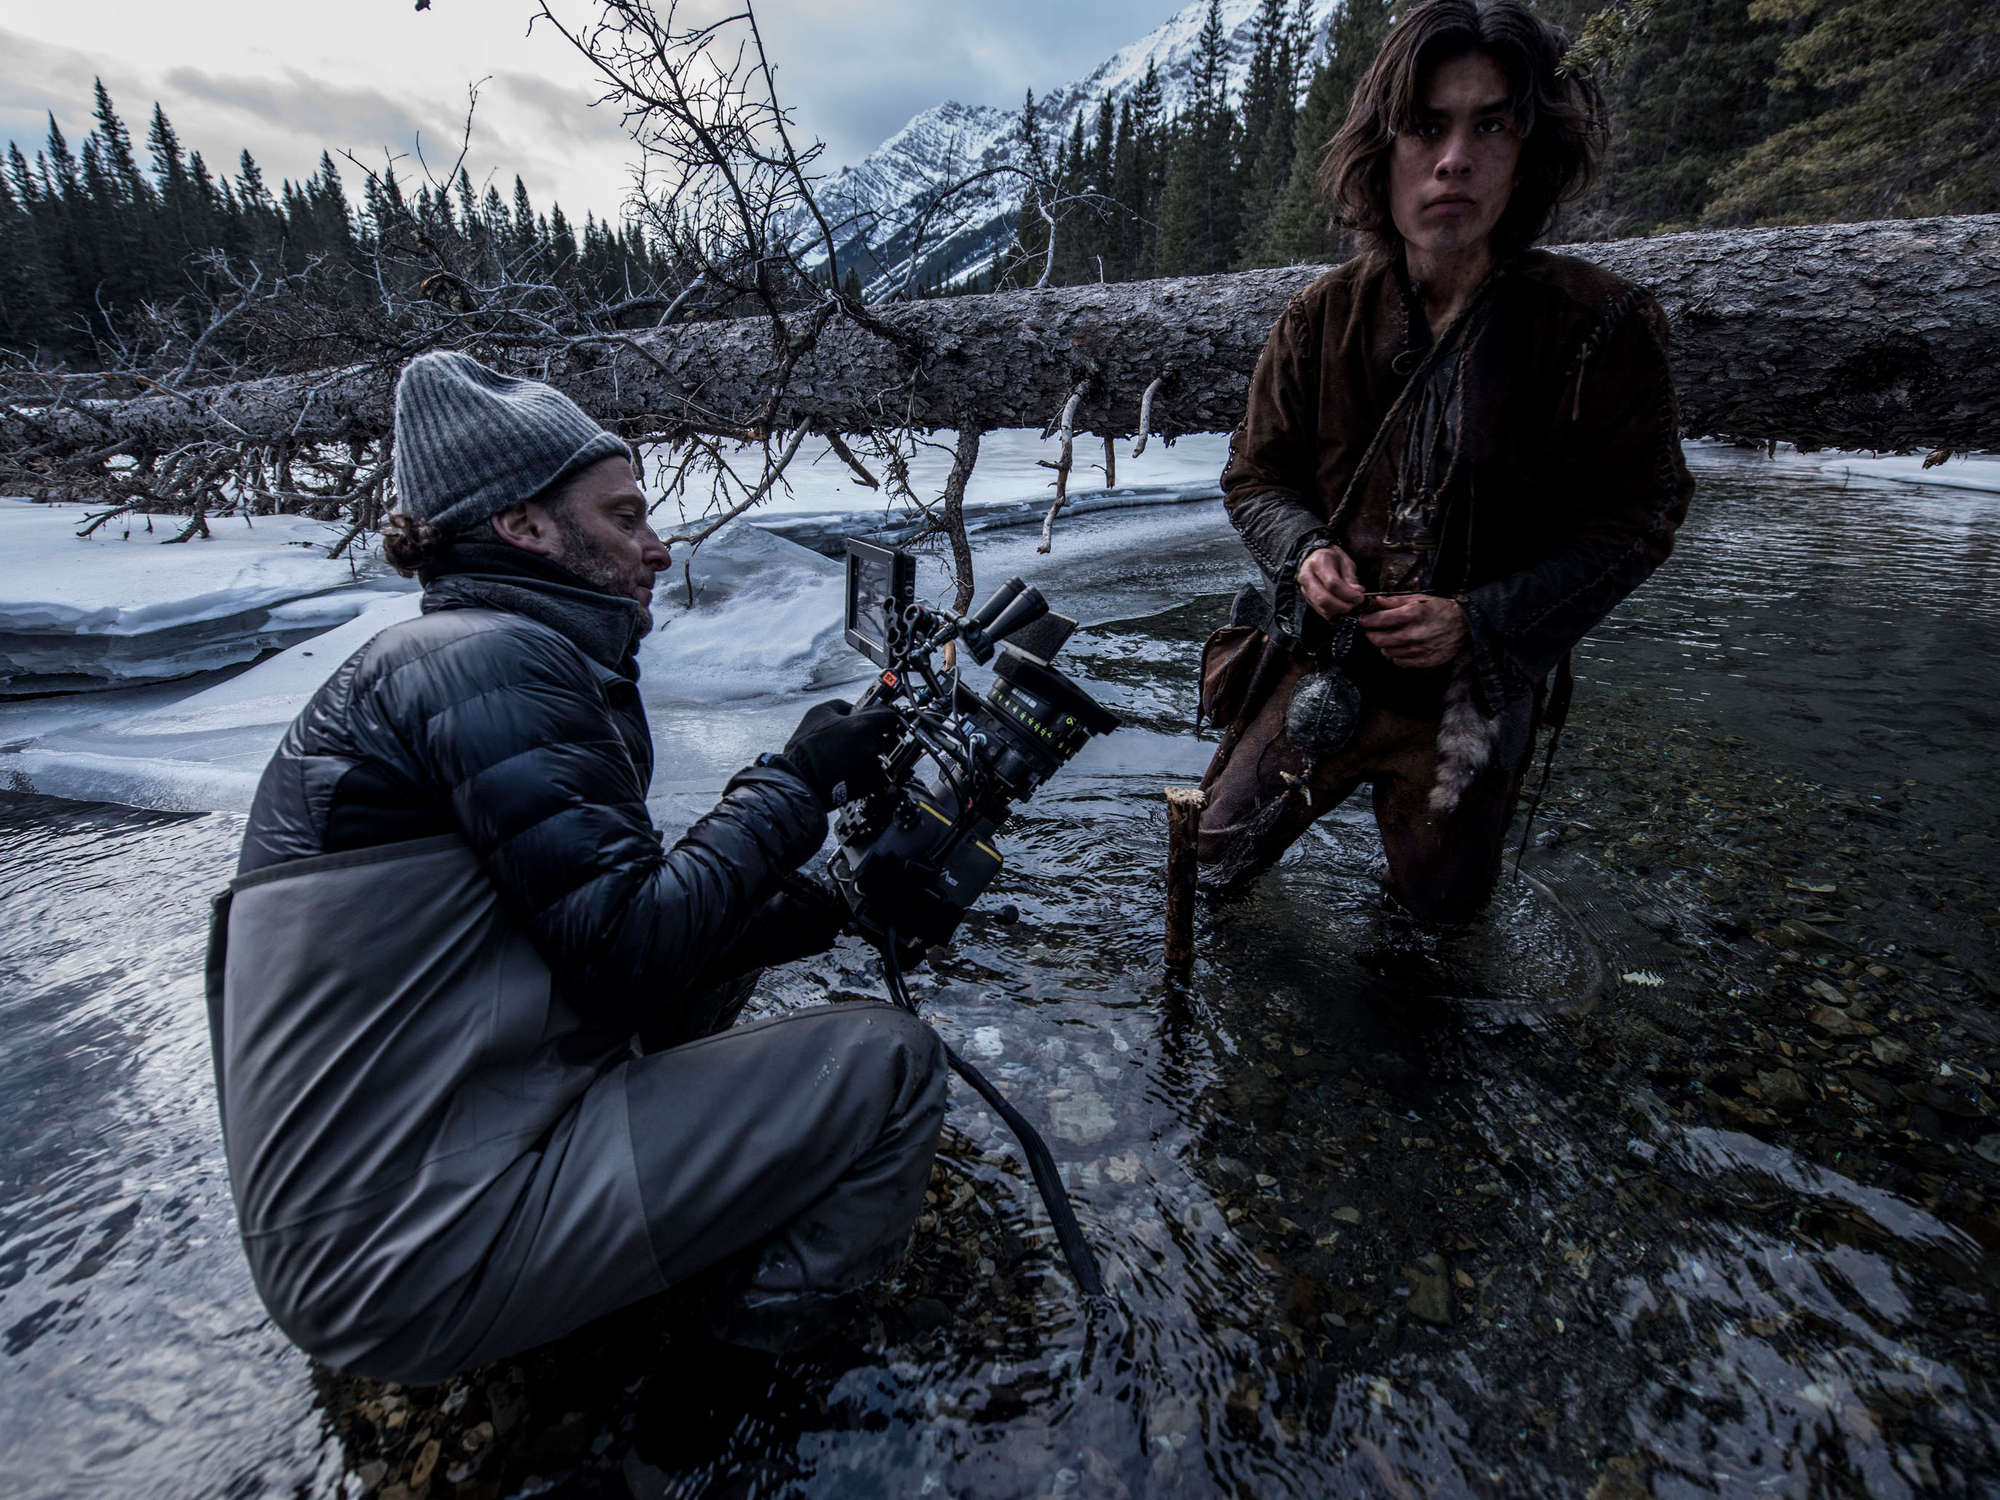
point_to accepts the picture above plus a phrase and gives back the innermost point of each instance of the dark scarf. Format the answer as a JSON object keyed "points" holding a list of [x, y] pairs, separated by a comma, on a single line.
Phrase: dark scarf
{"points": [[481, 574]]}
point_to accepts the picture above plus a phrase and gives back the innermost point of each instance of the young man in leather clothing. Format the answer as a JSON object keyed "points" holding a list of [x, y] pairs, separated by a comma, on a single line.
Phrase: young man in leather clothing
{"points": [[1459, 453]]}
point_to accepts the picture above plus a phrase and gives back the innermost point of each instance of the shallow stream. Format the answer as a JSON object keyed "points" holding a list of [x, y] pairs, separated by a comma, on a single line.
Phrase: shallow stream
{"points": [[1678, 1176]]}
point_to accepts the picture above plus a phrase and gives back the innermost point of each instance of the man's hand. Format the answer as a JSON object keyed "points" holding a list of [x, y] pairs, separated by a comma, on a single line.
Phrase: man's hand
{"points": [[1329, 583], [837, 752], [1418, 630]]}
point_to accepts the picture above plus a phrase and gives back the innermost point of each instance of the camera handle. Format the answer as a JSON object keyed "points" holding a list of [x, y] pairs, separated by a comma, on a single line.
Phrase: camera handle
{"points": [[1048, 1180]]}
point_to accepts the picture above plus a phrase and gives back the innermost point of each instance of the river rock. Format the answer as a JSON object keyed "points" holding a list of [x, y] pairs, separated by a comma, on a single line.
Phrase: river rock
{"points": [[1783, 1089], [1430, 1290], [1083, 1119], [1889, 1051], [1876, 1089], [1839, 1022]]}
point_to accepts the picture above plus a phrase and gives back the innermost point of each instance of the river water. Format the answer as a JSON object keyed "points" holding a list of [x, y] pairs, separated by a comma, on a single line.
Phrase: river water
{"points": [[1677, 1176]]}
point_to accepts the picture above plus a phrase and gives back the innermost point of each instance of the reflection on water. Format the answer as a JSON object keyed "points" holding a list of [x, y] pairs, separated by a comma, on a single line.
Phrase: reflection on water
{"points": [[1676, 1177], [135, 1351]]}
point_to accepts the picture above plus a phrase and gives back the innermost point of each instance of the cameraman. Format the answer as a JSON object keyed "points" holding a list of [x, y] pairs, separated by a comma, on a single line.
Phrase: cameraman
{"points": [[452, 917]]}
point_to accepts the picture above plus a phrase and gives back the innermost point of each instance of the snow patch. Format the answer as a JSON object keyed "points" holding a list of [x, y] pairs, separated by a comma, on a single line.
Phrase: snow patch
{"points": [[117, 608], [1978, 472], [766, 618]]}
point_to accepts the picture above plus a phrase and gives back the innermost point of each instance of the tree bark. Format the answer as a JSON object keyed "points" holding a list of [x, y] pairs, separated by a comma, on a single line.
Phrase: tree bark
{"points": [[1854, 335]]}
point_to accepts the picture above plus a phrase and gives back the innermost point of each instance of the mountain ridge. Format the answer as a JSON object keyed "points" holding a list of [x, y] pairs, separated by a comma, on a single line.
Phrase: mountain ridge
{"points": [[876, 202]]}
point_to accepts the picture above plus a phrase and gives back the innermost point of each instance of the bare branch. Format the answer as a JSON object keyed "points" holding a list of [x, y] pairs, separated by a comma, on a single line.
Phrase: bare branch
{"points": [[772, 473], [1067, 426], [1146, 414]]}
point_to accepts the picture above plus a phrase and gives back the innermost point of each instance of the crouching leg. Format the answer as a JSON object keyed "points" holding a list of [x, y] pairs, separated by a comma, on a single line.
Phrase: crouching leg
{"points": [[1443, 867], [791, 1156], [797, 1149]]}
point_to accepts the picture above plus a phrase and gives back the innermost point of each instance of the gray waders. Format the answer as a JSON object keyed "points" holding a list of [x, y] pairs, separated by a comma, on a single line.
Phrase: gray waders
{"points": [[437, 1162]]}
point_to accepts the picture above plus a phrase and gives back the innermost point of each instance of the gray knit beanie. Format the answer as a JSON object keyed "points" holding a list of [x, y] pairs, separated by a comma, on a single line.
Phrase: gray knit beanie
{"points": [[471, 442]]}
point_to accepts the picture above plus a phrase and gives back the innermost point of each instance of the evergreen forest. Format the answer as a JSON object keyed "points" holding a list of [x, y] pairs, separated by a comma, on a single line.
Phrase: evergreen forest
{"points": [[1724, 112]]}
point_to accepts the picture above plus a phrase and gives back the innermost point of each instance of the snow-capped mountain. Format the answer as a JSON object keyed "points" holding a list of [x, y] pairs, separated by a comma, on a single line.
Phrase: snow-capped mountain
{"points": [[880, 201]]}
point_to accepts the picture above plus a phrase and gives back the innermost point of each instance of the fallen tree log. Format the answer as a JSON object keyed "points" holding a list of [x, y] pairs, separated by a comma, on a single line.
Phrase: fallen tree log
{"points": [[1877, 335]]}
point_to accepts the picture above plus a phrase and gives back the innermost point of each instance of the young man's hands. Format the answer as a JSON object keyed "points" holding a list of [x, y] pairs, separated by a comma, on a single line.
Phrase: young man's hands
{"points": [[1410, 630], [1329, 583]]}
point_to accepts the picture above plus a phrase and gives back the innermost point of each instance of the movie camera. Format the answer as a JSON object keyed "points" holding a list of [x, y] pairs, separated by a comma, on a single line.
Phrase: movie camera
{"points": [[914, 856]]}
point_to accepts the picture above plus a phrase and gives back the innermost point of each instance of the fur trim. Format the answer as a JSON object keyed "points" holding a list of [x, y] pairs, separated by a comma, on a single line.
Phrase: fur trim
{"points": [[1465, 740]]}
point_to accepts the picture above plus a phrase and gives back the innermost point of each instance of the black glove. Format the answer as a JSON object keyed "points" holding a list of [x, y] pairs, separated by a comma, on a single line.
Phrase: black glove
{"points": [[838, 752]]}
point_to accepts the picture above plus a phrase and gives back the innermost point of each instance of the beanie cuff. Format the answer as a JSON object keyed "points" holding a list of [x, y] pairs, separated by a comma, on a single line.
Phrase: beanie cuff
{"points": [[483, 505]]}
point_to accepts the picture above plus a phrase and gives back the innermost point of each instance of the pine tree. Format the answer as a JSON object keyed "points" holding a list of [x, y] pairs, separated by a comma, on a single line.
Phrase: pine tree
{"points": [[1154, 142], [169, 169], [524, 239], [1199, 209], [329, 220], [59, 171], [1021, 264], [1299, 231], [562, 244], [1268, 109], [22, 177], [30, 297], [115, 146], [1909, 125]]}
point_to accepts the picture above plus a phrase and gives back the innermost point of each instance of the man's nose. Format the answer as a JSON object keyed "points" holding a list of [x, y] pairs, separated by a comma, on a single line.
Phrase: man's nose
{"points": [[653, 552], [1456, 158]]}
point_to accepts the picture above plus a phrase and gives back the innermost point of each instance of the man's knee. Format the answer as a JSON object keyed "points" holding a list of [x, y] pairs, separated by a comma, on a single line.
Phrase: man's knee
{"points": [[916, 1055], [887, 1055], [1442, 875]]}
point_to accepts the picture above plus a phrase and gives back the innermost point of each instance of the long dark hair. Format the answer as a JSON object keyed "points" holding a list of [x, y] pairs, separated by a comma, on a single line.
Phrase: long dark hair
{"points": [[1560, 115]]}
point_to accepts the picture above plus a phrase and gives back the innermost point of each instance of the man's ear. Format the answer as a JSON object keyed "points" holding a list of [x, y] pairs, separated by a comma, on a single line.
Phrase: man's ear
{"points": [[527, 526]]}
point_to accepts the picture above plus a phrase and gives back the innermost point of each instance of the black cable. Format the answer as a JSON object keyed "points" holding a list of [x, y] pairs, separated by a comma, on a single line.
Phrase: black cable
{"points": [[1048, 1180]]}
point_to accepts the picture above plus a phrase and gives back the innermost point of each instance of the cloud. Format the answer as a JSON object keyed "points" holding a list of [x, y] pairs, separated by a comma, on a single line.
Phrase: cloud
{"points": [[296, 104], [855, 71], [272, 79], [559, 112], [38, 79]]}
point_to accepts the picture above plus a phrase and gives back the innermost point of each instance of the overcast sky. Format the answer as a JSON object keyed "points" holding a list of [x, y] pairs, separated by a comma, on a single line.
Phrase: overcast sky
{"points": [[288, 80]]}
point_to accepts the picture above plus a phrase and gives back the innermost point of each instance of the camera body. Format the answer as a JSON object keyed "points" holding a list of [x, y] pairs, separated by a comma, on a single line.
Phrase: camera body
{"points": [[913, 857]]}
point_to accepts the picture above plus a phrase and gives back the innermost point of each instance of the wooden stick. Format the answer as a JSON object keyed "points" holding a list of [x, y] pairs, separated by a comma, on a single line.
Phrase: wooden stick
{"points": [[1184, 805]]}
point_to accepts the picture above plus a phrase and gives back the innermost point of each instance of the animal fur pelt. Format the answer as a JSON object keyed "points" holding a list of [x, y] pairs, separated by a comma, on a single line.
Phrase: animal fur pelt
{"points": [[1465, 740]]}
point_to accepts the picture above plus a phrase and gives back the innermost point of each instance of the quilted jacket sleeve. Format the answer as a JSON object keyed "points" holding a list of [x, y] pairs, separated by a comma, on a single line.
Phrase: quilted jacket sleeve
{"points": [[515, 733], [1621, 491]]}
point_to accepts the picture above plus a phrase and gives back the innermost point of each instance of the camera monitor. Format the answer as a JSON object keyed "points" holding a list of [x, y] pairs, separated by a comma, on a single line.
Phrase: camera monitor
{"points": [[880, 582]]}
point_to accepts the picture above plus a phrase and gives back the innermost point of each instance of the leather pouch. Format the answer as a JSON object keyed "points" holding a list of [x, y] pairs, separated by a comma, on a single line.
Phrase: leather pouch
{"points": [[1229, 659]]}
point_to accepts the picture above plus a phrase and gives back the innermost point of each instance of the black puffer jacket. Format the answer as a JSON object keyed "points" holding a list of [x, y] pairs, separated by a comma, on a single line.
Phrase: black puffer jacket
{"points": [[509, 714]]}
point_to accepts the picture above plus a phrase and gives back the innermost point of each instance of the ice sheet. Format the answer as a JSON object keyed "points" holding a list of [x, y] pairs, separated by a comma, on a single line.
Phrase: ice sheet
{"points": [[766, 618], [117, 608], [764, 638], [197, 752], [1974, 471], [721, 682], [120, 580]]}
